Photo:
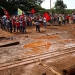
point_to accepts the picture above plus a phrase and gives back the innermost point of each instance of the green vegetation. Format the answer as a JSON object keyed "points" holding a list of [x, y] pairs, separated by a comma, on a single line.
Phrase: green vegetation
{"points": [[60, 6], [26, 5]]}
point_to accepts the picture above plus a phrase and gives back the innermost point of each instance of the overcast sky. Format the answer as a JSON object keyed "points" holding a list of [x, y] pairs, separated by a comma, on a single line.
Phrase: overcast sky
{"points": [[70, 4]]}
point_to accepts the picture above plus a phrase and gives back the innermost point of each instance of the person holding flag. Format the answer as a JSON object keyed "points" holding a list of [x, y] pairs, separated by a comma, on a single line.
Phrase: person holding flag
{"points": [[5, 12], [21, 13]]}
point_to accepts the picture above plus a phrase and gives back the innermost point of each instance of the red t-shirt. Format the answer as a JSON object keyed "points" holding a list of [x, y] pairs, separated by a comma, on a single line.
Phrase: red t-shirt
{"points": [[13, 21], [67, 17], [17, 24], [23, 23]]}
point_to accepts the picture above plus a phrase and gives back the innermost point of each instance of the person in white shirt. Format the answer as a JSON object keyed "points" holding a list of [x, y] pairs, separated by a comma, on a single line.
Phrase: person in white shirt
{"points": [[44, 22], [7, 24], [59, 19], [20, 25]]}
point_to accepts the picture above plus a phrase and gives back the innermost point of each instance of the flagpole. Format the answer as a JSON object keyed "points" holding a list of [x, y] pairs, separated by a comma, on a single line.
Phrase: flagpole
{"points": [[50, 4]]}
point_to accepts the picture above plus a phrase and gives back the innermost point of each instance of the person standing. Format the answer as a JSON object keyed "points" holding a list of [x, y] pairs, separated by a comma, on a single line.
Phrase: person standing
{"points": [[17, 25], [70, 19], [7, 24], [37, 26], [74, 18], [40, 20], [59, 19], [1, 22], [13, 23], [20, 25], [23, 26], [27, 20], [10, 25], [67, 19], [44, 22], [63, 19]]}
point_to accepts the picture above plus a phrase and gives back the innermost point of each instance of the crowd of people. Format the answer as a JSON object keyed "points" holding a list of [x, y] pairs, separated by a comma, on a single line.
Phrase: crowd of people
{"points": [[19, 23], [62, 19]]}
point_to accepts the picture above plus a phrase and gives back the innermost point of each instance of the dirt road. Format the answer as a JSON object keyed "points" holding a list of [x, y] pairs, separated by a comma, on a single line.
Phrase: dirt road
{"points": [[32, 43]]}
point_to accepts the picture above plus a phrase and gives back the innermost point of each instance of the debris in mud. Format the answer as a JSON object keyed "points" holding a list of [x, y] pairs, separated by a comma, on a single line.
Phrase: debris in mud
{"points": [[70, 70], [26, 36], [44, 74], [4, 38]]}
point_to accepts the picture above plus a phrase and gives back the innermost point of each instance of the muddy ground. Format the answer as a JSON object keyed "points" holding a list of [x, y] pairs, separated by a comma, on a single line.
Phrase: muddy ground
{"points": [[31, 43]]}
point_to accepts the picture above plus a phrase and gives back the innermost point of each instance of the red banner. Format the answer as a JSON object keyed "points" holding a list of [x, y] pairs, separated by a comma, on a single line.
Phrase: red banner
{"points": [[47, 16]]}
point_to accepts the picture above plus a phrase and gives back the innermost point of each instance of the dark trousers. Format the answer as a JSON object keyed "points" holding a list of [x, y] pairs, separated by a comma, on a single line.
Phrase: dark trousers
{"points": [[38, 28], [10, 29], [73, 20], [60, 23], [63, 22], [3, 27], [14, 26], [67, 21], [18, 29], [23, 29]]}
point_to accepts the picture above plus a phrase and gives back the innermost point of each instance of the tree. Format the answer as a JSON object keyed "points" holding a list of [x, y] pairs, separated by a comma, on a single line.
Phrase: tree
{"points": [[25, 5], [60, 6]]}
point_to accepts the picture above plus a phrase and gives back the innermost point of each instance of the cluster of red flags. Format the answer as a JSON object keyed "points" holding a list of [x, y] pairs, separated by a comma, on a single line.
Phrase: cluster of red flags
{"points": [[46, 15]]}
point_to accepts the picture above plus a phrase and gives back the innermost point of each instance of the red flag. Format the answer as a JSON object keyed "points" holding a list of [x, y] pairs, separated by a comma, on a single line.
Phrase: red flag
{"points": [[6, 13], [32, 10], [47, 16]]}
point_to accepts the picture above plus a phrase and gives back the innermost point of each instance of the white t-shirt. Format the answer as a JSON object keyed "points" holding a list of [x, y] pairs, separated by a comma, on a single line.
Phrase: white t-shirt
{"points": [[44, 19], [20, 23], [60, 18], [40, 19]]}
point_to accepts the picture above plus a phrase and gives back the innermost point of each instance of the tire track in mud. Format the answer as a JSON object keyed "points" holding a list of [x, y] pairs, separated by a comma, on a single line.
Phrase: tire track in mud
{"points": [[37, 58]]}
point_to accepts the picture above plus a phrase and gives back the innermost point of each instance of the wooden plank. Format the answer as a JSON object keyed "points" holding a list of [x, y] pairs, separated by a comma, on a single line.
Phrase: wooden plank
{"points": [[50, 68], [11, 43]]}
